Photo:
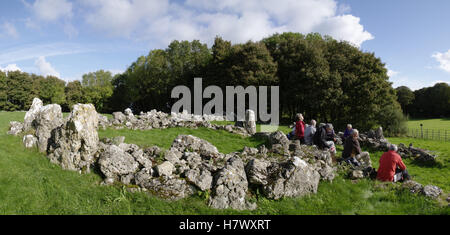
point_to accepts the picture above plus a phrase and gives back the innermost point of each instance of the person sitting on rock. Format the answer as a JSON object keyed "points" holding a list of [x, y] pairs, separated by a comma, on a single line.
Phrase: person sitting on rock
{"points": [[300, 128], [327, 139], [309, 132], [348, 131], [392, 168], [352, 151]]}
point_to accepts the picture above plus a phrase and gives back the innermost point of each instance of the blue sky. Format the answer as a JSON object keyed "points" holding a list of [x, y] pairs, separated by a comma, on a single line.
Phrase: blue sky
{"points": [[70, 38]]}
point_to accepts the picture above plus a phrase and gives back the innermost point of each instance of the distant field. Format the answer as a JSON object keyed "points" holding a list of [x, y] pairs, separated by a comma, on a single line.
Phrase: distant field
{"points": [[436, 124]]}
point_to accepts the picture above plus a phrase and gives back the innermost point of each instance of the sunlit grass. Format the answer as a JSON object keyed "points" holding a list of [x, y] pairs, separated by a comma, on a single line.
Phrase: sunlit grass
{"points": [[30, 184]]}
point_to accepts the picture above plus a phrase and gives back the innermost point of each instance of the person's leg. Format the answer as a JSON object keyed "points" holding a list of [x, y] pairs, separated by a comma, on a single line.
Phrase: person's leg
{"points": [[399, 175], [333, 152], [406, 175]]}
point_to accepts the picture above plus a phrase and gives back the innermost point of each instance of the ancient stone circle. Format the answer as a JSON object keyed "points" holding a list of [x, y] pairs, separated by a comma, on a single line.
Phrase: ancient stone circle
{"points": [[282, 169]]}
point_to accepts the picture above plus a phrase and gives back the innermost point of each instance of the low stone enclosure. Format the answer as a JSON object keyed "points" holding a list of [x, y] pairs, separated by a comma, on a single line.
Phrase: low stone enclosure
{"points": [[283, 169]]}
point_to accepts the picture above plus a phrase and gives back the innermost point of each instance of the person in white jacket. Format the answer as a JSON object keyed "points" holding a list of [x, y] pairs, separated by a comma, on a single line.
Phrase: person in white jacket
{"points": [[309, 132]]}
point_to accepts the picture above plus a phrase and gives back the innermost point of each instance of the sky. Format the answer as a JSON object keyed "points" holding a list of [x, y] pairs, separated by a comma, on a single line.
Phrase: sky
{"points": [[69, 38]]}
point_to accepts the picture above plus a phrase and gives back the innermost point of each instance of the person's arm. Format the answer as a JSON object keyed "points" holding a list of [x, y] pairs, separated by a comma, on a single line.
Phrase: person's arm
{"points": [[313, 131], [400, 164], [356, 146]]}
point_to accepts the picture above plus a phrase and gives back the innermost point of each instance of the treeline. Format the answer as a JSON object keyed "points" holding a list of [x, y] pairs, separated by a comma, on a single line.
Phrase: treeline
{"points": [[325, 79], [428, 102], [17, 90]]}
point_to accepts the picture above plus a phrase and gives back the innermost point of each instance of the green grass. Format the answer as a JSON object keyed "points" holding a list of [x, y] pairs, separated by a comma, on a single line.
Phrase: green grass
{"points": [[267, 128], [438, 175], [434, 124], [30, 184], [163, 138]]}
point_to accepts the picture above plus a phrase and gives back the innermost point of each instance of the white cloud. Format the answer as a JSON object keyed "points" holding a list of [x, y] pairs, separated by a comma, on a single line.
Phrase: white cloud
{"points": [[9, 30], [161, 21], [51, 10], [443, 59], [10, 67], [27, 52], [121, 17], [45, 68]]}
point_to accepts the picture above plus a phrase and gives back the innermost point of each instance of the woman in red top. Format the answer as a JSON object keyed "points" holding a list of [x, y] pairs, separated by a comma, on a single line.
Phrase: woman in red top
{"points": [[300, 128], [392, 167]]}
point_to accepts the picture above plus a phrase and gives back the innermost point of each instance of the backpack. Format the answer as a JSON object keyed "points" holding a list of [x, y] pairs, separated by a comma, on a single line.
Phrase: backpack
{"points": [[316, 137]]}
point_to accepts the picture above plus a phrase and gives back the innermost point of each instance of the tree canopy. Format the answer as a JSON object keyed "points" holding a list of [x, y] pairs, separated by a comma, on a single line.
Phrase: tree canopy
{"points": [[325, 79]]}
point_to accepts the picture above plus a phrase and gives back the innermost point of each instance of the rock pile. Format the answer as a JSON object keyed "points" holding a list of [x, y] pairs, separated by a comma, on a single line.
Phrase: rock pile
{"points": [[417, 188], [160, 120], [374, 139], [190, 165]]}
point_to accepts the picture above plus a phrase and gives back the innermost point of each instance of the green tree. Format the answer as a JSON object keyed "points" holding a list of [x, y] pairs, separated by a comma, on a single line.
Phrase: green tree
{"points": [[19, 91], [3, 90], [405, 97], [432, 102], [97, 88], [74, 94], [150, 79], [51, 90]]}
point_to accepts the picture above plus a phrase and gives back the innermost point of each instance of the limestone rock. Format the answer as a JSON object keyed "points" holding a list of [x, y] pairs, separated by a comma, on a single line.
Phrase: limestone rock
{"points": [[257, 171], [194, 144], [431, 191], [169, 187], [29, 141], [412, 186], [230, 186], [250, 122], [15, 128], [49, 118], [357, 174], [32, 113], [74, 145], [165, 169], [200, 178], [115, 162], [173, 155], [280, 142], [143, 176], [119, 118], [103, 121], [291, 179]]}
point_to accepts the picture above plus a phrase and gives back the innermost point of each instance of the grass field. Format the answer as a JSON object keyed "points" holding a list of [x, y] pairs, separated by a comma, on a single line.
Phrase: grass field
{"points": [[30, 184], [433, 124]]}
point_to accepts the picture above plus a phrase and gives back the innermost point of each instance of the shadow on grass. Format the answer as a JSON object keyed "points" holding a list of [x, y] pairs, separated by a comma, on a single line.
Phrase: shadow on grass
{"points": [[436, 164]]}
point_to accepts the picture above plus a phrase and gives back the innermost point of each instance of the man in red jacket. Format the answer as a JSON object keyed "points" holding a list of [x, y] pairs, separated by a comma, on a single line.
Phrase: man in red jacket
{"points": [[392, 167], [300, 128]]}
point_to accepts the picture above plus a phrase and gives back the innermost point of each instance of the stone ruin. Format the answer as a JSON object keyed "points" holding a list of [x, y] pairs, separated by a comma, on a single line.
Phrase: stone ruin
{"points": [[283, 169], [160, 120], [189, 166], [374, 139]]}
